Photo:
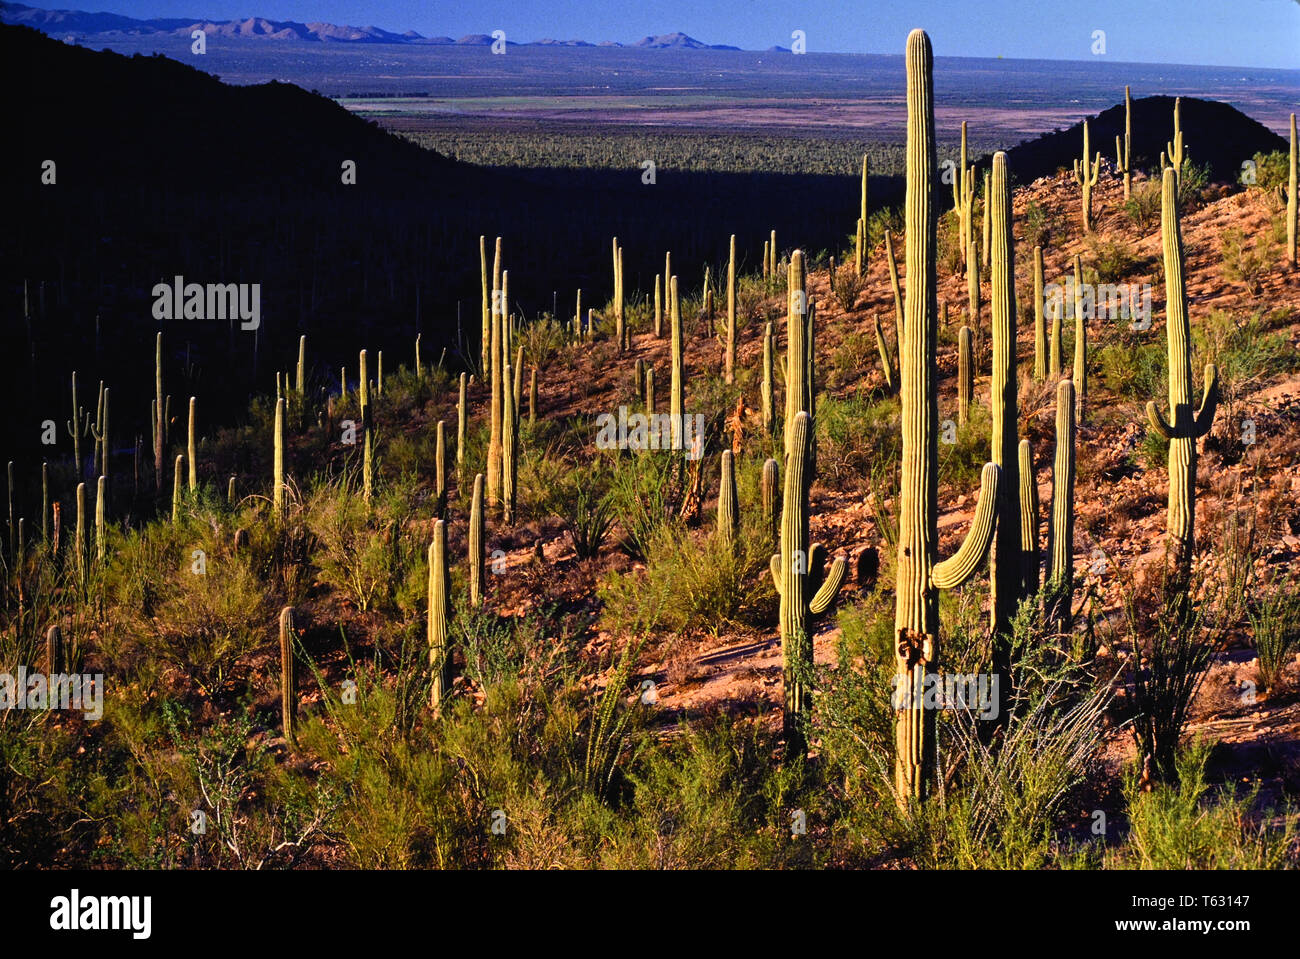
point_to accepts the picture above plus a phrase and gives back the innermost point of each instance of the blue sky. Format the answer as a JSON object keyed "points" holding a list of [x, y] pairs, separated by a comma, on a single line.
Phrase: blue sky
{"points": [[1210, 32]]}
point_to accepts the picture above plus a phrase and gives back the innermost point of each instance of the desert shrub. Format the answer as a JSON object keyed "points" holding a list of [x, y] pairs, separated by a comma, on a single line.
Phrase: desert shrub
{"points": [[1143, 204], [1192, 181], [847, 286], [948, 244], [1112, 258], [585, 507], [961, 462], [853, 435], [541, 341], [1275, 621], [1137, 373], [360, 550], [647, 490], [1039, 225], [889, 218], [1271, 170], [851, 357], [1179, 827], [1243, 265]]}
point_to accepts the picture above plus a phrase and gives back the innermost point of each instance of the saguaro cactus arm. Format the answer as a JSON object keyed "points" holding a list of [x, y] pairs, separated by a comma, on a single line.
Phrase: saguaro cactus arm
{"points": [[963, 564], [1203, 418]]}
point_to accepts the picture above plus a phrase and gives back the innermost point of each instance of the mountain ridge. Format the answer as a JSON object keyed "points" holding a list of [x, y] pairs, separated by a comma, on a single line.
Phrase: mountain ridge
{"points": [[83, 25]]}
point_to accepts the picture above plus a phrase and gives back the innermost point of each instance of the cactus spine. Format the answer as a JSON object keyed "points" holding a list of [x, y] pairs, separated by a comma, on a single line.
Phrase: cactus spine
{"points": [[729, 357], [288, 679], [797, 573], [277, 490], [192, 446], [965, 375], [1085, 174], [439, 655], [1040, 323], [919, 575], [1060, 559], [728, 503], [1292, 204], [477, 544], [1187, 426]]}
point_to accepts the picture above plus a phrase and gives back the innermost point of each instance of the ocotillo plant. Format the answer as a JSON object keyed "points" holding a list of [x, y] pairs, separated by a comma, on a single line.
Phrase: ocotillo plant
{"points": [[888, 365], [729, 355], [965, 375], [1006, 561], [797, 573], [477, 544], [1040, 323], [919, 574], [277, 479], [769, 487], [1124, 157], [1292, 203], [367, 433], [1060, 549], [439, 581], [1184, 426], [1028, 518], [288, 679], [728, 503], [1080, 342], [677, 389], [192, 446], [766, 395], [1085, 175]]}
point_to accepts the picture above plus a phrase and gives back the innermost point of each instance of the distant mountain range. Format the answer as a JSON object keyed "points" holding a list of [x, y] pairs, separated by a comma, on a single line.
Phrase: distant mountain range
{"points": [[106, 26]]}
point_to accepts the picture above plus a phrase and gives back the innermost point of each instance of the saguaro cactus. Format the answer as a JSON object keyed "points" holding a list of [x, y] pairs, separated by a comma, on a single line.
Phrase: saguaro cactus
{"points": [[176, 486], [1174, 147], [477, 544], [728, 503], [192, 446], [499, 386], [659, 307], [729, 356], [82, 557], [677, 388], [277, 479], [965, 375], [439, 588], [1028, 518], [462, 419], [1085, 174], [509, 449], [367, 436], [919, 574], [769, 486], [485, 358], [1123, 153], [1006, 561], [798, 383], [288, 677], [1040, 323], [973, 284], [1060, 550], [766, 395], [893, 281], [159, 415], [100, 530], [860, 247], [888, 365], [797, 573], [984, 246], [440, 466], [963, 197], [1184, 426], [1292, 204], [300, 377], [1080, 342], [53, 650]]}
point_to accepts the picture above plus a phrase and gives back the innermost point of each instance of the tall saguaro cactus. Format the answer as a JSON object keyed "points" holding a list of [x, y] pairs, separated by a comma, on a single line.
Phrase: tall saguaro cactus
{"points": [[1040, 323], [1080, 342], [1060, 549], [728, 503], [766, 395], [367, 432], [509, 451], [1028, 517], [192, 446], [159, 415], [485, 358], [438, 618], [477, 544], [797, 574], [1292, 203], [1174, 147], [729, 357], [277, 479], [798, 384], [677, 386], [1006, 563], [1185, 426], [920, 575], [462, 419], [860, 247], [499, 386], [965, 374], [963, 197], [288, 677], [1086, 174]]}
